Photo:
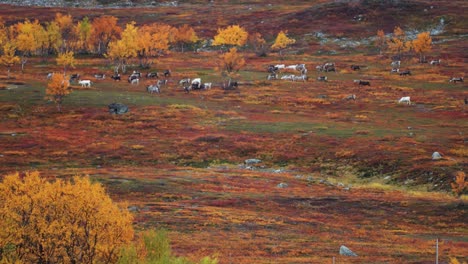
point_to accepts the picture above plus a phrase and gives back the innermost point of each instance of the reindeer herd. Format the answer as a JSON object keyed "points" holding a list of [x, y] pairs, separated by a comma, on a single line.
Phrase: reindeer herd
{"points": [[294, 73]]}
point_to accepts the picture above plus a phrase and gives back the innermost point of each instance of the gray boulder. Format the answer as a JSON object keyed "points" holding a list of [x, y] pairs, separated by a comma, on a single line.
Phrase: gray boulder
{"points": [[252, 161], [282, 185], [345, 251], [118, 108], [436, 156]]}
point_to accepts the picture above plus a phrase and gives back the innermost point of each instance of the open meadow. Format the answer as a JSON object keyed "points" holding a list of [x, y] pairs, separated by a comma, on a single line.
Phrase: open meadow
{"points": [[270, 171]]}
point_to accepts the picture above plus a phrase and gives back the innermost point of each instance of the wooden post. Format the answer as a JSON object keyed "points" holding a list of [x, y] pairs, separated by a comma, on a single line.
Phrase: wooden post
{"points": [[333, 260], [437, 251]]}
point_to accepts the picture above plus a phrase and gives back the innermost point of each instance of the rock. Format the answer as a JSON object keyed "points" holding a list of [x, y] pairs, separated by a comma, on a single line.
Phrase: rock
{"points": [[345, 251], [118, 108], [436, 156], [282, 185], [252, 161]]}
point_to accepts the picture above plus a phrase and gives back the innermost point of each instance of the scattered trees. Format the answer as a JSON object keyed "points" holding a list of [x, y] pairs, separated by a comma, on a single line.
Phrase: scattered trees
{"points": [[282, 41], [60, 222], [57, 89]]}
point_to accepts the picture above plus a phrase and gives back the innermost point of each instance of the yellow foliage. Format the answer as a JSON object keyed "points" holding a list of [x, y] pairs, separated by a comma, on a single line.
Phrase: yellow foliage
{"points": [[232, 35], [53, 35], [60, 221], [8, 58], [398, 43], [82, 30], [29, 36], [282, 41], [57, 89], [66, 59], [125, 48]]}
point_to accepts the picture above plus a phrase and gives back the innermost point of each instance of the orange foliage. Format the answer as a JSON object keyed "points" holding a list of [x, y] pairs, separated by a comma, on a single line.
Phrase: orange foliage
{"points": [[232, 61], [57, 89], [185, 35], [8, 57], [398, 43], [422, 44], [104, 30], [460, 184]]}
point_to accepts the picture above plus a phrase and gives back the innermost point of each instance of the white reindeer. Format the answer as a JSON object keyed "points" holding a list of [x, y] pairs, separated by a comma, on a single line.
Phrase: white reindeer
{"points": [[85, 83], [405, 99]]}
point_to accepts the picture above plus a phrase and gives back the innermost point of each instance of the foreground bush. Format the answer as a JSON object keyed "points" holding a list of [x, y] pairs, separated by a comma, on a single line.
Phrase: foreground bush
{"points": [[60, 222]]}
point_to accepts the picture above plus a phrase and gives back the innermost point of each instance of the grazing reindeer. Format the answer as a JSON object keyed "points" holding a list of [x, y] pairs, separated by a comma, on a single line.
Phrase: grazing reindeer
{"points": [[152, 75], [362, 83], [405, 99], [116, 77], [302, 78], [100, 76], [396, 64], [135, 81], [272, 76], [350, 97], [322, 78], [184, 81], [153, 89], [85, 83], [405, 73], [456, 79]]}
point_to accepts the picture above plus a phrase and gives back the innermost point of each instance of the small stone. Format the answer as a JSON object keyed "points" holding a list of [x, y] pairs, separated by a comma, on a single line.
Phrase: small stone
{"points": [[345, 251], [282, 185], [436, 156]]}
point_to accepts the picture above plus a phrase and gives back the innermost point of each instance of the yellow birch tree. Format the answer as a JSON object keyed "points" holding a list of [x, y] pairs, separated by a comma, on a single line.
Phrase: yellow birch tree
{"points": [[232, 35], [282, 41], [66, 59], [398, 43], [8, 58], [120, 51]]}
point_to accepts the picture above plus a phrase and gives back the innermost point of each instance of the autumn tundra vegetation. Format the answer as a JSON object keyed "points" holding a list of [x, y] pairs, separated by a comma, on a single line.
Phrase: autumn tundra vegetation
{"points": [[234, 132]]}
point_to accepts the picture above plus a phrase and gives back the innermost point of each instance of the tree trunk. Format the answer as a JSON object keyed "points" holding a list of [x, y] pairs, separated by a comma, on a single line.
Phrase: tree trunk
{"points": [[8, 73]]}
